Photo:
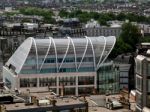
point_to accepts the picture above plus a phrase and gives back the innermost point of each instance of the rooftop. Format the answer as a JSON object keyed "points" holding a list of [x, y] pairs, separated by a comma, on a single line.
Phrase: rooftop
{"points": [[61, 102]]}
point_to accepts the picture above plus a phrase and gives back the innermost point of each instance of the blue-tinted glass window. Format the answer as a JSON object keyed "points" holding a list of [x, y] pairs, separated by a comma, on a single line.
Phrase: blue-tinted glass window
{"points": [[60, 60], [86, 69]]}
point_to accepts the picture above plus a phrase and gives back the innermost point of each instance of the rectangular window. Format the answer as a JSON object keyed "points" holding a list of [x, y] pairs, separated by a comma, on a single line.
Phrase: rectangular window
{"points": [[139, 99], [8, 83], [86, 80], [86, 69], [123, 74], [139, 83], [47, 82], [138, 67], [123, 80], [148, 86], [148, 101], [67, 81], [148, 69], [27, 82]]}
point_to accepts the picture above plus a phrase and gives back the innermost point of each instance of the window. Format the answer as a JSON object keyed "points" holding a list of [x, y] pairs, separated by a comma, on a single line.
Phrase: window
{"points": [[30, 61], [43, 82], [86, 80], [148, 87], [123, 80], [123, 86], [86, 90], [8, 83], [50, 60], [148, 101], [26, 82], [67, 81], [86, 69], [139, 83], [48, 70], [138, 67], [139, 99], [148, 70], [79, 59], [60, 60], [123, 74]]}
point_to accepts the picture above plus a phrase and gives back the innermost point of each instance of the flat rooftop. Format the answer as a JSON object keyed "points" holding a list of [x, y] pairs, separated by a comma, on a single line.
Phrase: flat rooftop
{"points": [[62, 103]]}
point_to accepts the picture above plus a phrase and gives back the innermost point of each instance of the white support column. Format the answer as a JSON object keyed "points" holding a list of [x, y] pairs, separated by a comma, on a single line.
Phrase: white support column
{"points": [[76, 89], [57, 84], [38, 83], [17, 82], [95, 81]]}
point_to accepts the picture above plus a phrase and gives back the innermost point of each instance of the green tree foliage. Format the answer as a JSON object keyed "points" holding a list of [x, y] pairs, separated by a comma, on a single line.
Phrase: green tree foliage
{"points": [[104, 17], [47, 14], [130, 34], [145, 39], [63, 13], [127, 40]]}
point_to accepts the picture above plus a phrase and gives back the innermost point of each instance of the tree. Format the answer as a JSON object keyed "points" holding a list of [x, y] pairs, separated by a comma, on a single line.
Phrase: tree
{"points": [[130, 34], [119, 48], [63, 13], [47, 14], [127, 40]]}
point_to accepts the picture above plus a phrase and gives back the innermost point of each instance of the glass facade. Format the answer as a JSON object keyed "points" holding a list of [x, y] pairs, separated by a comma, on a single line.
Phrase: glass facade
{"points": [[108, 79], [30, 64], [86, 90], [88, 80], [45, 82], [67, 91], [47, 62], [67, 81], [28, 82], [8, 83]]}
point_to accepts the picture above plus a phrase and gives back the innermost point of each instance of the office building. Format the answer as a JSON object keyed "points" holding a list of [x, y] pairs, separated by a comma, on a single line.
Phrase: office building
{"points": [[142, 81], [66, 65], [93, 28], [126, 64]]}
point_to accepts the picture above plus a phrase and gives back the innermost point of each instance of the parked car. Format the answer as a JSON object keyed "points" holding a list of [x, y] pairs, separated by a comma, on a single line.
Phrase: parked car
{"points": [[113, 104]]}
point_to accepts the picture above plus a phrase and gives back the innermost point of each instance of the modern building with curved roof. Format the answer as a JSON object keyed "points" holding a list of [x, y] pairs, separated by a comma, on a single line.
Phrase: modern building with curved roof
{"points": [[66, 65]]}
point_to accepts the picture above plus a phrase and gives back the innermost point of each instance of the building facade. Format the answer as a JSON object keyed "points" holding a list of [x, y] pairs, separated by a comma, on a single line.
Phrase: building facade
{"points": [[142, 82], [66, 65], [103, 31], [108, 78], [126, 64]]}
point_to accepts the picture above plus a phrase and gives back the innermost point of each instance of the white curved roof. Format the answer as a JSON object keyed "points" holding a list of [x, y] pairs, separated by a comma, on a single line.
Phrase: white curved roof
{"points": [[98, 47]]}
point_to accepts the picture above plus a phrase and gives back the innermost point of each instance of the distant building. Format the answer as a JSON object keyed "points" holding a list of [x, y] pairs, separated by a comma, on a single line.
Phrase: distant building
{"points": [[73, 32], [145, 28], [64, 65], [93, 28], [71, 22], [70, 27]]}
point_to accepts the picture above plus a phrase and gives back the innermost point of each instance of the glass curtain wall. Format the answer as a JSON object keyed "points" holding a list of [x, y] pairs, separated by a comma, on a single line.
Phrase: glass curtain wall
{"points": [[108, 79]]}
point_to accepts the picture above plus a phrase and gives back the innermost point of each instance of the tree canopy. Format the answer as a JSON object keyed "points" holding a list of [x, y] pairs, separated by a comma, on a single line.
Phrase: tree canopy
{"points": [[85, 16], [47, 14], [127, 40]]}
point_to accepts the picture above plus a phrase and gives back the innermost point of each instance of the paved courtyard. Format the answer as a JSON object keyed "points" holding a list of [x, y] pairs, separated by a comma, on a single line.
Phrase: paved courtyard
{"points": [[93, 107]]}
